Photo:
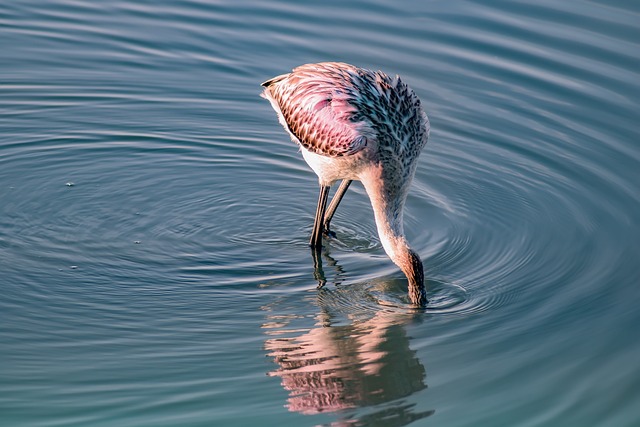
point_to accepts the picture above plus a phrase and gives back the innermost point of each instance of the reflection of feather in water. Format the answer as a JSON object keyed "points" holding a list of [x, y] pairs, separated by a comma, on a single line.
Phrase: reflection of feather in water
{"points": [[333, 368]]}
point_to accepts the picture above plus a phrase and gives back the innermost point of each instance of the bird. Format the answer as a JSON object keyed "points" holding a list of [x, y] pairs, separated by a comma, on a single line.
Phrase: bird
{"points": [[352, 124]]}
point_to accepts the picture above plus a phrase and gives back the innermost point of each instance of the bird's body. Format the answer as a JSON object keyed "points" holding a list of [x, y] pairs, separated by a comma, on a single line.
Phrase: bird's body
{"points": [[356, 124]]}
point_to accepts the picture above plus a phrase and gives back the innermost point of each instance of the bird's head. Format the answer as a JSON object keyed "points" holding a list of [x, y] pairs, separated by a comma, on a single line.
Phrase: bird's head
{"points": [[414, 271]]}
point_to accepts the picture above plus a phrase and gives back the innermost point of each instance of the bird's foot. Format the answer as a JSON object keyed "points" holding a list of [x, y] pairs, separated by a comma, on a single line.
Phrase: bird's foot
{"points": [[328, 232]]}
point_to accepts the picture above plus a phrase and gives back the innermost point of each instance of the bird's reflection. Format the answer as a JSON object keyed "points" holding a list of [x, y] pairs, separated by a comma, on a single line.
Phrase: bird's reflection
{"points": [[349, 359]]}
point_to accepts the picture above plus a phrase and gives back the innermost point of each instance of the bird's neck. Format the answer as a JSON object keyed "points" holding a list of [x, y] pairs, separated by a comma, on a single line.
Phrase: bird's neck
{"points": [[388, 206]]}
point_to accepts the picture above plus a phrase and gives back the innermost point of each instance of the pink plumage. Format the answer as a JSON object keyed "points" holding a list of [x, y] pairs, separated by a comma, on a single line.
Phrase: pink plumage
{"points": [[356, 124]]}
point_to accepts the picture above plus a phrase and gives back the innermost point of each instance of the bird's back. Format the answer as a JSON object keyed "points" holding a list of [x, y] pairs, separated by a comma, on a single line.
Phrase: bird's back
{"points": [[336, 109]]}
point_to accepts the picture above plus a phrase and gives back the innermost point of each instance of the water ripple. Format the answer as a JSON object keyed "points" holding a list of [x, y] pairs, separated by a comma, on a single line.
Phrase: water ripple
{"points": [[186, 224]]}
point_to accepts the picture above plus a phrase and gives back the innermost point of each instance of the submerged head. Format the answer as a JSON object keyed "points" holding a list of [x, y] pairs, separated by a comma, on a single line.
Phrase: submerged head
{"points": [[412, 268]]}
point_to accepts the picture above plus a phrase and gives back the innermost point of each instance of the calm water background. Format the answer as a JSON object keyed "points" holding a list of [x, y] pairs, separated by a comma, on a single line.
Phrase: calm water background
{"points": [[154, 218]]}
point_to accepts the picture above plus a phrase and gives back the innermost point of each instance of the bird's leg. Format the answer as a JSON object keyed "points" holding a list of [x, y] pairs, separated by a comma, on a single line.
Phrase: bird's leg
{"points": [[344, 186], [316, 235]]}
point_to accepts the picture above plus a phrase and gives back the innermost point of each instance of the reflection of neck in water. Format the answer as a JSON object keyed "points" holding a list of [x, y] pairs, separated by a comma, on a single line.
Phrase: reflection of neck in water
{"points": [[332, 368]]}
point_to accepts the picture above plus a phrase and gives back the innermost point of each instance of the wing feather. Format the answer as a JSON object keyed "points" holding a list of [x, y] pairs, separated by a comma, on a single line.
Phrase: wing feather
{"points": [[313, 104]]}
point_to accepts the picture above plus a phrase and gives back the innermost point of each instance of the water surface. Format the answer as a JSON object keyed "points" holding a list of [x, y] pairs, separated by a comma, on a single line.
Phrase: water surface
{"points": [[154, 219]]}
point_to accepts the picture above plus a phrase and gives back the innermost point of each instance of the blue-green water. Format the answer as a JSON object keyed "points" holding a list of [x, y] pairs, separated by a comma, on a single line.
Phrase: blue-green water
{"points": [[154, 218]]}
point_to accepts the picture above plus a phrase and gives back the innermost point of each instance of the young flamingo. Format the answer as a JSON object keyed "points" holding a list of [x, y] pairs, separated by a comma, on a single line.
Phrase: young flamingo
{"points": [[356, 124]]}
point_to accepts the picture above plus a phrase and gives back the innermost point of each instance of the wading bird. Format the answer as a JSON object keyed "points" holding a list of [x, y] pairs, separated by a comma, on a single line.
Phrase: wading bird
{"points": [[356, 124]]}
